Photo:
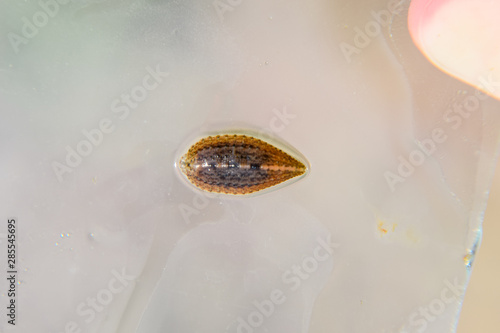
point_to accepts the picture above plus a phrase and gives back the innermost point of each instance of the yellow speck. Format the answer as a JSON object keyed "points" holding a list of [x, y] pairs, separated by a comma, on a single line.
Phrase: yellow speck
{"points": [[380, 227], [383, 228], [467, 259]]}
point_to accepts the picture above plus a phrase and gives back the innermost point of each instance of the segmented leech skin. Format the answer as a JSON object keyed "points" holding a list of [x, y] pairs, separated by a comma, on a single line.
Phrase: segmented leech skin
{"points": [[237, 164]]}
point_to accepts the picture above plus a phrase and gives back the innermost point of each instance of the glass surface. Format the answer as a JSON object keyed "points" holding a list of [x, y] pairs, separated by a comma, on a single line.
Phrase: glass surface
{"points": [[97, 98]]}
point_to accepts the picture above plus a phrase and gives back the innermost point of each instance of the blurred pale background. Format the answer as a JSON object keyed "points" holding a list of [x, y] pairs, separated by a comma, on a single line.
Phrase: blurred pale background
{"points": [[481, 308], [118, 212]]}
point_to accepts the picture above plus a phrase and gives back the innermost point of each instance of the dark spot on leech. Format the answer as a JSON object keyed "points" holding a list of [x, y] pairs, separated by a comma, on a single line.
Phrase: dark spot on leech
{"points": [[254, 166]]}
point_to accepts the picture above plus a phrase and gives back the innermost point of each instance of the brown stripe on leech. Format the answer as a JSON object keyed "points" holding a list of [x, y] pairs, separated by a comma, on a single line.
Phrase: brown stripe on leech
{"points": [[238, 164]]}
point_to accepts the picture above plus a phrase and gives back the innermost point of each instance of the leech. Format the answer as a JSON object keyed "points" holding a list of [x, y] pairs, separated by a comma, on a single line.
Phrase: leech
{"points": [[238, 164]]}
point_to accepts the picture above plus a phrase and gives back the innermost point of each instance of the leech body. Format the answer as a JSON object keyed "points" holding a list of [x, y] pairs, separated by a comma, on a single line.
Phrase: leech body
{"points": [[238, 164]]}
